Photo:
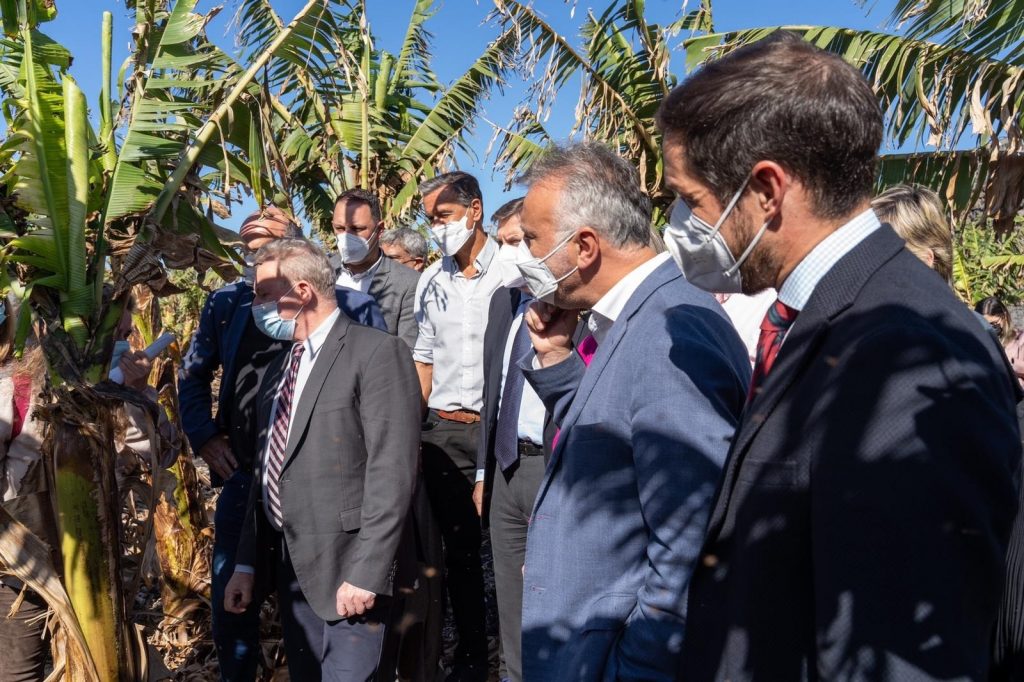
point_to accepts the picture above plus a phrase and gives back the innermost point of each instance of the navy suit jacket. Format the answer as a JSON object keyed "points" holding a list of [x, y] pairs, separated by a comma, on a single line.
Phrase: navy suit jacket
{"points": [[620, 515], [215, 342], [861, 526]]}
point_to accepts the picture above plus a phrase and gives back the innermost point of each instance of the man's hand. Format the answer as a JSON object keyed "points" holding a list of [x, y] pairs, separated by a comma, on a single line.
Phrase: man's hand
{"points": [[135, 366], [353, 601], [238, 593], [478, 497], [551, 331], [217, 453]]}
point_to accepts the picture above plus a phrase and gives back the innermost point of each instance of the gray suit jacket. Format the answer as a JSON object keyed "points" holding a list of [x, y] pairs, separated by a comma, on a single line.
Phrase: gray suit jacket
{"points": [[350, 466], [620, 516], [394, 288]]}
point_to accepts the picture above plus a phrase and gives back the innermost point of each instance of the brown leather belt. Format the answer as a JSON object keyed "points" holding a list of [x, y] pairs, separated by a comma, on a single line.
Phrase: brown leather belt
{"points": [[461, 416]]}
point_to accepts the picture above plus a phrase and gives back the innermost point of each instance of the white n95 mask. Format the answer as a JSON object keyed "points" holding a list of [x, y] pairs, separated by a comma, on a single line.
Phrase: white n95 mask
{"points": [[539, 278], [451, 237], [508, 256], [700, 251]]}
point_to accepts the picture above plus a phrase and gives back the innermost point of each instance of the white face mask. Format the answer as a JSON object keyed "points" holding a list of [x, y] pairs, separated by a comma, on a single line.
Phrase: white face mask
{"points": [[451, 237], [353, 248], [700, 250], [539, 278], [511, 278]]}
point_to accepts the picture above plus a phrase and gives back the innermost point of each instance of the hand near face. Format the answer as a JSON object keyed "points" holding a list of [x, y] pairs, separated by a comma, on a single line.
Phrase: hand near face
{"points": [[135, 366], [551, 331], [353, 601]]}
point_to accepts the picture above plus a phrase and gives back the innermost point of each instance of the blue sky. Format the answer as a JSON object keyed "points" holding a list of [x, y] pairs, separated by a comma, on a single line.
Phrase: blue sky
{"points": [[459, 37]]}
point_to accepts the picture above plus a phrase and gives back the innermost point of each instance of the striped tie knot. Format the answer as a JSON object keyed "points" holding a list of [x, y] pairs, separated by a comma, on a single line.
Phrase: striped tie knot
{"points": [[279, 436]]}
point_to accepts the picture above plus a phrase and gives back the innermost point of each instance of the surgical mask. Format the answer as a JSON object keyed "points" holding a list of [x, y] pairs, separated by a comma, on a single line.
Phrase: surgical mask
{"points": [[451, 237], [269, 321], [120, 348], [353, 248], [700, 250], [511, 278], [539, 278]]}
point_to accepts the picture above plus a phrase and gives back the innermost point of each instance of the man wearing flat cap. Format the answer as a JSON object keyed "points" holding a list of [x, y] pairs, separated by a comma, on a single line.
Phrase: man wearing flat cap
{"points": [[227, 338]]}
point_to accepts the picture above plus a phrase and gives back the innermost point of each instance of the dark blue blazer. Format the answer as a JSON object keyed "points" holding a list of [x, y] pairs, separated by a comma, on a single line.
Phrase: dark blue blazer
{"points": [[215, 342], [860, 529]]}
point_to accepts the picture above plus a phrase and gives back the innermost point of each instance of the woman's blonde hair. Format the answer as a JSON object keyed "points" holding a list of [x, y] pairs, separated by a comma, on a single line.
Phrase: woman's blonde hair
{"points": [[916, 214]]}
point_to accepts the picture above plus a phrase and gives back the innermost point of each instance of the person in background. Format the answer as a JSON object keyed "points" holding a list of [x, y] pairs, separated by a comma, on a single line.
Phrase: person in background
{"points": [[646, 405], [452, 299], [360, 264], [515, 434], [405, 245], [339, 436], [877, 459], [228, 339], [1012, 339]]}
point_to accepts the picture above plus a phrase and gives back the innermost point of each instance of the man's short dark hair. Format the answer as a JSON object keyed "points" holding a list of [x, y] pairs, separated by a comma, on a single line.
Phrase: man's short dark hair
{"points": [[464, 187], [359, 195], [508, 210], [784, 100]]}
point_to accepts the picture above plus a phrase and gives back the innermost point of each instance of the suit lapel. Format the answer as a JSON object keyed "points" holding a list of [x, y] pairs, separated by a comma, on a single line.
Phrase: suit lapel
{"points": [[664, 274], [836, 292], [379, 283], [311, 390]]}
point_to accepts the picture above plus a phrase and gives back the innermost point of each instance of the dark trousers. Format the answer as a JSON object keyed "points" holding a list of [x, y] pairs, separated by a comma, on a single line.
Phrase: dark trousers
{"points": [[347, 650], [236, 636], [449, 471], [22, 642], [512, 496]]}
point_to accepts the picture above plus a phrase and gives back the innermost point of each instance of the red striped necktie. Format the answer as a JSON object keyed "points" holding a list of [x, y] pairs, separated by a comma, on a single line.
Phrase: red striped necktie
{"points": [[776, 323], [279, 436]]}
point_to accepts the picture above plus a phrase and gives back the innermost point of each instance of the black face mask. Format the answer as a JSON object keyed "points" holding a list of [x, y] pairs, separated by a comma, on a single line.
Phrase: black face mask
{"points": [[998, 328]]}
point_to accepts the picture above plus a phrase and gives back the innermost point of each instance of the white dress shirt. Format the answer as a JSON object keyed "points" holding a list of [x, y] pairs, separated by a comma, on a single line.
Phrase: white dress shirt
{"points": [[800, 284], [531, 410], [451, 311], [609, 307], [313, 344], [359, 282]]}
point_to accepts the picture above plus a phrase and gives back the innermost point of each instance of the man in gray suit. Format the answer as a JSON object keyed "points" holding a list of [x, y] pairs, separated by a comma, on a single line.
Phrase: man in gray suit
{"points": [[646, 404], [360, 264], [335, 474]]}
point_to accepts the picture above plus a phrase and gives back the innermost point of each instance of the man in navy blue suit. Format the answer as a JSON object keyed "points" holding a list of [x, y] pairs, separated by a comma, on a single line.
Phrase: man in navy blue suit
{"points": [[860, 529], [646, 404], [227, 338]]}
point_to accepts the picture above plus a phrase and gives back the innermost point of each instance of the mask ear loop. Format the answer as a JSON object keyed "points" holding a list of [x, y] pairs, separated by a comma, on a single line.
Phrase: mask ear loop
{"points": [[558, 246], [746, 252], [728, 209]]}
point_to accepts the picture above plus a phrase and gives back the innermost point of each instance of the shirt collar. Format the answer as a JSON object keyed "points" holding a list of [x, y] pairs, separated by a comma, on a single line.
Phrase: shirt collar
{"points": [[481, 262], [316, 340], [610, 306], [800, 284], [359, 276]]}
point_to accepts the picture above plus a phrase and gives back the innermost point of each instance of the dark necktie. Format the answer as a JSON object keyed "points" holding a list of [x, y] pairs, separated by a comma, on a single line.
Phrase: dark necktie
{"points": [[776, 323], [506, 436], [279, 436]]}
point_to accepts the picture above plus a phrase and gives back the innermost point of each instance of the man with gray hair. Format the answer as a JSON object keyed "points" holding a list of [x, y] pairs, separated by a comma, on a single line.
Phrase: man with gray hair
{"points": [[335, 473], [646, 405], [405, 245]]}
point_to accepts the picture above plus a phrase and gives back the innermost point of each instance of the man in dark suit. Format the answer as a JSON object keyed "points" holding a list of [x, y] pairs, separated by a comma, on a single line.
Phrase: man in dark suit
{"points": [[860, 528], [360, 264], [336, 472], [515, 435], [228, 339]]}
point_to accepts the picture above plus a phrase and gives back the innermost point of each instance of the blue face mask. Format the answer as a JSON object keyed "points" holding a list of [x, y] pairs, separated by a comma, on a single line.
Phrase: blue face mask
{"points": [[269, 321], [3, 314]]}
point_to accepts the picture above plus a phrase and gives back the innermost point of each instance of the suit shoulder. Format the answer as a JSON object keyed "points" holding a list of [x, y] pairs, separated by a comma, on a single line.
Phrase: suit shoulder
{"points": [[404, 275], [351, 296]]}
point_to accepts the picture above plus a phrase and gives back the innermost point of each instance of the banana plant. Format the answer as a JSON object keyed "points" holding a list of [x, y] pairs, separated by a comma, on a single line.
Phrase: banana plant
{"points": [[347, 114], [114, 209], [950, 75], [622, 61]]}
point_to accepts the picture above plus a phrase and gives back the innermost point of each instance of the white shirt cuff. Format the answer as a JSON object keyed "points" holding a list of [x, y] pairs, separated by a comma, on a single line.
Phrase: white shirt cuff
{"points": [[479, 475], [245, 568]]}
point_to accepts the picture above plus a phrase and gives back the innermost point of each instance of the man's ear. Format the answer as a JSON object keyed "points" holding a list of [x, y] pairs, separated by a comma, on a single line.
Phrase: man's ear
{"points": [[769, 183], [476, 211], [588, 247]]}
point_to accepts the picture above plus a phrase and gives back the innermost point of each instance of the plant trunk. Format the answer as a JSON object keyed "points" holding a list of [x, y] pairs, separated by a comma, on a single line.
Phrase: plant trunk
{"points": [[81, 445]]}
